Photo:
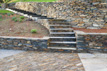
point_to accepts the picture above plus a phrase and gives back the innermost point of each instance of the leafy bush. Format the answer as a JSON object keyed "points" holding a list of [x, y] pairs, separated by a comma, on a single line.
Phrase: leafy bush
{"points": [[22, 17], [9, 14], [0, 16], [3, 13], [33, 31], [20, 20], [13, 18], [12, 13]]}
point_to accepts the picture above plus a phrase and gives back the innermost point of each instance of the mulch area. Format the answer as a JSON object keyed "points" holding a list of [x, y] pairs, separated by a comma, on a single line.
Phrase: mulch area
{"points": [[42, 61], [91, 30], [8, 27]]}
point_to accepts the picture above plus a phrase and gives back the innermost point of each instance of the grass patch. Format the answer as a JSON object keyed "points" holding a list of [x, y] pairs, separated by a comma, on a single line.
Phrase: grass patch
{"points": [[5, 11]]}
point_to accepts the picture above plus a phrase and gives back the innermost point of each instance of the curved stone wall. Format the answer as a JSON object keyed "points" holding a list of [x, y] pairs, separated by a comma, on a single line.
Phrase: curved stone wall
{"points": [[80, 14]]}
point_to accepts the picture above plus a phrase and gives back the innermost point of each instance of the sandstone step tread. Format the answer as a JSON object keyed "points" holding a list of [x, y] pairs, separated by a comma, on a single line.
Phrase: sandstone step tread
{"points": [[62, 33], [63, 42], [61, 29], [59, 25], [62, 37], [63, 48]]}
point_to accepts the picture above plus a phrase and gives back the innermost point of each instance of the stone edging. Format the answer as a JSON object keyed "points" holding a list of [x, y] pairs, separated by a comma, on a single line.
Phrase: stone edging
{"points": [[45, 38]]}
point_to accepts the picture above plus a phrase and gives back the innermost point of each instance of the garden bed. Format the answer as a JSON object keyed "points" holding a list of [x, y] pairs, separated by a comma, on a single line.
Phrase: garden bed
{"points": [[13, 25]]}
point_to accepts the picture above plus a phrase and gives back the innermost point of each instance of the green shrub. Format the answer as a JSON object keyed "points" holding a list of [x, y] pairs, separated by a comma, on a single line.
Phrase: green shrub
{"points": [[33, 31], [22, 17], [0, 16], [13, 18], [20, 20], [3, 13], [12, 13], [9, 14]]}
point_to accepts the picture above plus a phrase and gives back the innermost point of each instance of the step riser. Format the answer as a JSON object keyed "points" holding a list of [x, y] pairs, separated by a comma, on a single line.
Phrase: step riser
{"points": [[63, 35], [61, 30], [65, 48], [62, 39], [59, 23], [62, 45], [53, 27]]}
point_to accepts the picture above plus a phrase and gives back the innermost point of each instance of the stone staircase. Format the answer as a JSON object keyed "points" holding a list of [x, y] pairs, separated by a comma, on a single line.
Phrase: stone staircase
{"points": [[31, 15], [62, 36]]}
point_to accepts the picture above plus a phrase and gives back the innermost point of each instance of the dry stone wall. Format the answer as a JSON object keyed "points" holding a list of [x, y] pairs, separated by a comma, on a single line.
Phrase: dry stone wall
{"points": [[79, 13], [19, 43], [92, 42]]}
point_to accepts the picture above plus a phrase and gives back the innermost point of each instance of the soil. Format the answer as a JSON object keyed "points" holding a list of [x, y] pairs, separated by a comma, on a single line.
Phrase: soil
{"points": [[21, 29], [92, 30]]}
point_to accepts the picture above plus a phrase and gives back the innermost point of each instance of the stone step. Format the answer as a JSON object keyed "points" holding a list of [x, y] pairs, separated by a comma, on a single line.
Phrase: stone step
{"points": [[30, 14], [59, 25], [61, 29], [64, 37], [63, 42], [52, 22], [65, 48], [61, 45], [57, 20], [55, 27], [62, 33]]}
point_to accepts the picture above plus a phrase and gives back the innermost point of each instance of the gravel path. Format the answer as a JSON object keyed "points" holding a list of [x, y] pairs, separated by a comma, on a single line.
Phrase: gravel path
{"points": [[41, 61]]}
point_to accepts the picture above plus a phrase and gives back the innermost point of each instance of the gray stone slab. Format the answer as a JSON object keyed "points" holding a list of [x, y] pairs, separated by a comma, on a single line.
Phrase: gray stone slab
{"points": [[94, 62], [6, 53]]}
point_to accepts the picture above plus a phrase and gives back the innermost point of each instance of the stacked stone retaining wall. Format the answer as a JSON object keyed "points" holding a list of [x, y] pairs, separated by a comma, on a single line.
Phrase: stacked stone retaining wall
{"points": [[21, 43], [80, 14], [85, 43], [92, 42]]}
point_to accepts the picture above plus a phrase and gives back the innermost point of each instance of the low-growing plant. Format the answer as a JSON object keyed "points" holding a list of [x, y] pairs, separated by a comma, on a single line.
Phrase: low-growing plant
{"points": [[0, 16], [9, 14], [12, 13], [13, 18], [3, 13], [20, 20], [22, 17], [33, 31]]}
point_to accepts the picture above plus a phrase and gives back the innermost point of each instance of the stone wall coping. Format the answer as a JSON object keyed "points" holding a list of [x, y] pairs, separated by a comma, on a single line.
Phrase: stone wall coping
{"points": [[91, 33], [83, 33], [28, 38]]}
